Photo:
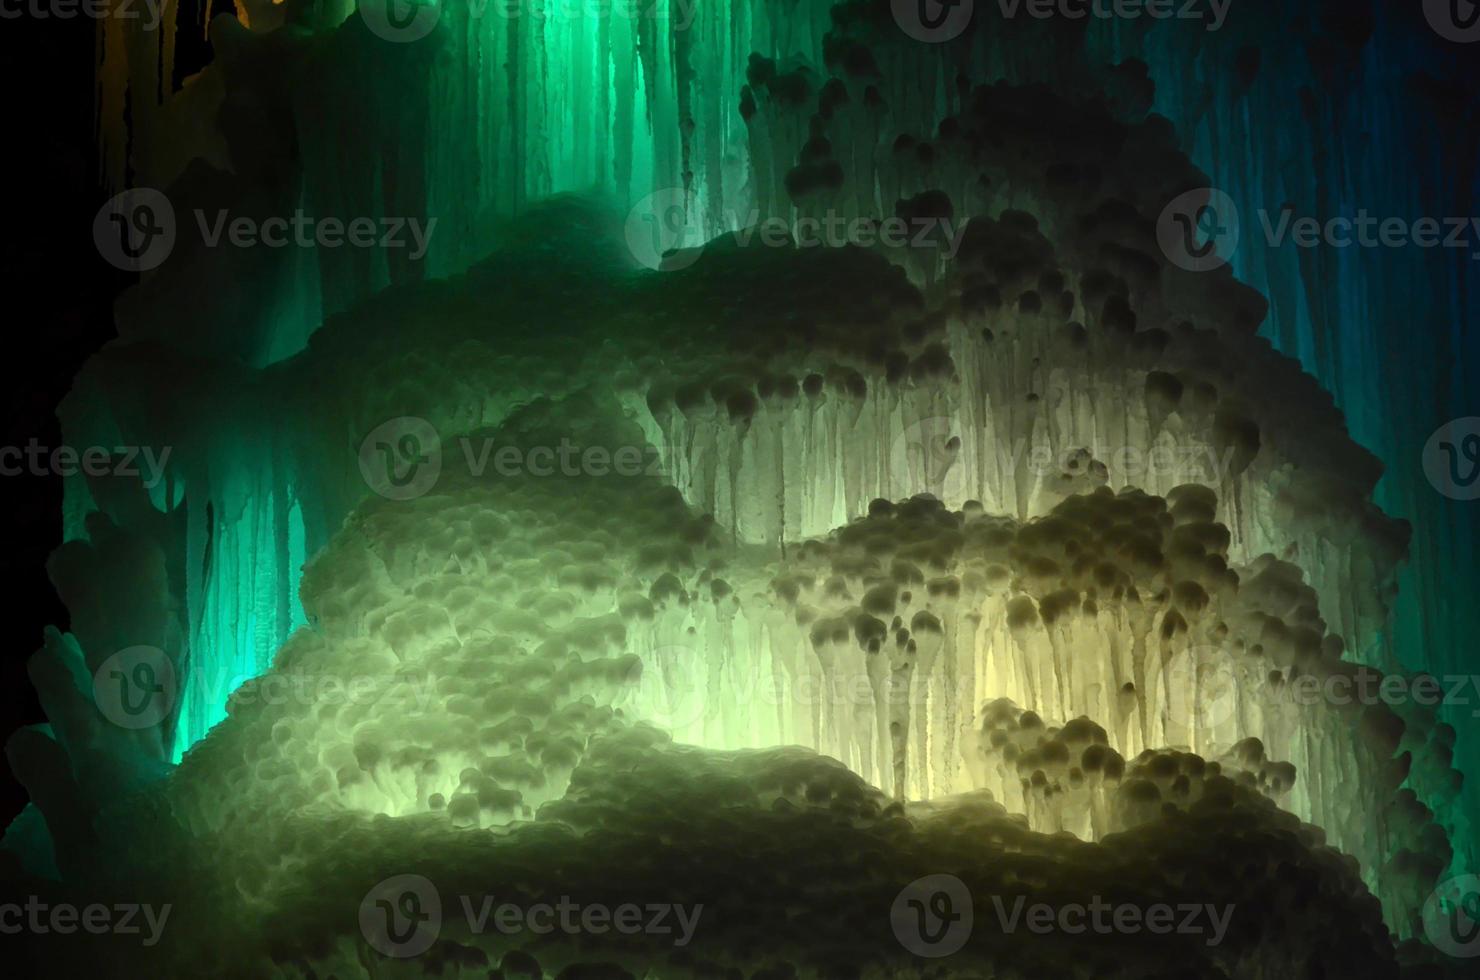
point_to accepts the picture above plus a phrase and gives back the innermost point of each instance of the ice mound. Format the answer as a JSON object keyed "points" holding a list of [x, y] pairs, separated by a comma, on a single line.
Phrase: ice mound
{"points": [[787, 392], [1025, 531], [888, 643], [463, 648], [466, 648], [776, 863]]}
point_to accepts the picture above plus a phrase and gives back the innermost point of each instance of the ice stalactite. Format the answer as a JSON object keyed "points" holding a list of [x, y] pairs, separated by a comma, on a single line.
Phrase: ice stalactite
{"points": [[1371, 324], [1029, 356], [886, 645], [1326, 110], [882, 642], [1082, 210], [467, 116]]}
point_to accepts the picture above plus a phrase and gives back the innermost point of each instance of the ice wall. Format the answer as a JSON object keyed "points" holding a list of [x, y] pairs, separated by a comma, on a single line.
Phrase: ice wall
{"points": [[1374, 113], [731, 832], [468, 647], [1356, 107], [467, 115], [883, 644], [1105, 347], [661, 97]]}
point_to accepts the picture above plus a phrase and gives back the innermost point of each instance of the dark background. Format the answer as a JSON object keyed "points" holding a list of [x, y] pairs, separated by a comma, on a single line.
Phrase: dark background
{"points": [[58, 295]]}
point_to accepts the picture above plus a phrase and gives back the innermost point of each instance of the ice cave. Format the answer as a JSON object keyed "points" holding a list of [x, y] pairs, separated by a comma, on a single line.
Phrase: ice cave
{"points": [[766, 489]]}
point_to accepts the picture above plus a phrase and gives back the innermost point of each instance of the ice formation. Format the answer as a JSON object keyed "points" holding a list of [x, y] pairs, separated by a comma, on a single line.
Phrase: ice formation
{"points": [[482, 663], [1006, 557]]}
